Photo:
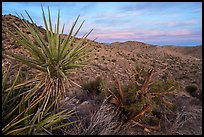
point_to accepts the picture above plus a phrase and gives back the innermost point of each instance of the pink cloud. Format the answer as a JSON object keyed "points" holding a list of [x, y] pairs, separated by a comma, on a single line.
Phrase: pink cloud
{"points": [[179, 23], [114, 35], [180, 32], [110, 16], [150, 33], [144, 35]]}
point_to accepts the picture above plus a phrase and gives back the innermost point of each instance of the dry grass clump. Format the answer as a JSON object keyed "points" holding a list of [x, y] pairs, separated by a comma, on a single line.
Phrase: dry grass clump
{"points": [[177, 125], [104, 121]]}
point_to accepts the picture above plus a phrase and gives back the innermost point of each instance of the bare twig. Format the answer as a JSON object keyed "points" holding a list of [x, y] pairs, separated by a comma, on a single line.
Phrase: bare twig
{"points": [[145, 109], [146, 81], [157, 127]]}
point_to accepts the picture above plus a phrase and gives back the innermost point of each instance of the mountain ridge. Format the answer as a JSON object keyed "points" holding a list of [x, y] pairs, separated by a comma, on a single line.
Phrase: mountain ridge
{"points": [[128, 52]]}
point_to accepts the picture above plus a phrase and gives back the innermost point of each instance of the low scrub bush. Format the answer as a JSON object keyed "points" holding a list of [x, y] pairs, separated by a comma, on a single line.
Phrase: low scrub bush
{"points": [[143, 102], [93, 87], [191, 89]]}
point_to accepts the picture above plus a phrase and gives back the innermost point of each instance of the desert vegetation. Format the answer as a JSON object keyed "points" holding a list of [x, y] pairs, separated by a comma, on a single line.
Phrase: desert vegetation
{"points": [[39, 100], [58, 87]]}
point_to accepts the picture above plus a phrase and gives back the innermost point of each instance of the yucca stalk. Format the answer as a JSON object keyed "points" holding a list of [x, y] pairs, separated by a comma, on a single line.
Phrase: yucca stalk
{"points": [[55, 58]]}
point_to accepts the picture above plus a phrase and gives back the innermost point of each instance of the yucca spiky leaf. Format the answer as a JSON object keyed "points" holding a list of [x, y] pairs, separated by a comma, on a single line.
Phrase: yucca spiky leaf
{"points": [[55, 58], [21, 113], [54, 55]]}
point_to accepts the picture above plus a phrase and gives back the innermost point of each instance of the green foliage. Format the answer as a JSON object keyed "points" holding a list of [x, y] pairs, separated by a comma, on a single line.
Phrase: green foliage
{"points": [[113, 60], [200, 96], [133, 59], [160, 86], [191, 89], [33, 106], [164, 76], [53, 56], [21, 107], [93, 87], [144, 100], [194, 91]]}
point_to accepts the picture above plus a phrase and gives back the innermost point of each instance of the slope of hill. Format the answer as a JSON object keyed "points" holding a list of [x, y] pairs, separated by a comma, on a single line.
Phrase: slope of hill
{"points": [[183, 64]]}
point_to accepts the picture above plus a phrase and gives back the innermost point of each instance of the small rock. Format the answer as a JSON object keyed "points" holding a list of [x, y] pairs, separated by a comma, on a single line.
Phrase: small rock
{"points": [[85, 107], [72, 103], [147, 130]]}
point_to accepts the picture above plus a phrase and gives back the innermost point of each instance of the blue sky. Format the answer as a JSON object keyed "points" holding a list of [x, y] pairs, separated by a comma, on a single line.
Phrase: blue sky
{"points": [[159, 23]]}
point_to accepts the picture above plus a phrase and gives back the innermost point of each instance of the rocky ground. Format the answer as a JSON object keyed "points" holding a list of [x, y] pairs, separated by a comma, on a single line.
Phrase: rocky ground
{"points": [[184, 64]]}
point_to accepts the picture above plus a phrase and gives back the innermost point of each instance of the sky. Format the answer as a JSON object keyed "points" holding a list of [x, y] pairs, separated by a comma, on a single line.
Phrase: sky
{"points": [[157, 23]]}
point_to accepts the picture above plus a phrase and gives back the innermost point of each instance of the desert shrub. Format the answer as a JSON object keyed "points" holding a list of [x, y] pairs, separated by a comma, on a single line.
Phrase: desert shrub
{"points": [[200, 96], [163, 86], [144, 101], [165, 76], [93, 87], [113, 60], [194, 92], [133, 59], [191, 89]]}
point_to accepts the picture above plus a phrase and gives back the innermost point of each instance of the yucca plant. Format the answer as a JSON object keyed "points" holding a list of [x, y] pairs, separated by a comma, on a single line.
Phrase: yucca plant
{"points": [[9, 104], [140, 100], [55, 58], [21, 112]]}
